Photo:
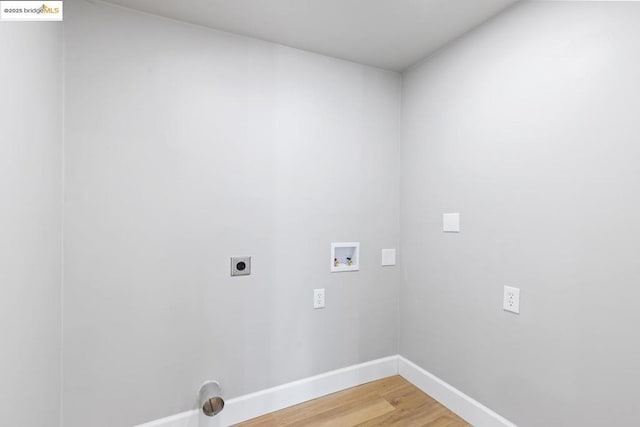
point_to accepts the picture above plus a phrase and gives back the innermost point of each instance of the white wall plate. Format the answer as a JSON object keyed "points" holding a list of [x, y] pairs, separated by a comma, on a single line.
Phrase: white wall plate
{"points": [[451, 222], [388, 257]]}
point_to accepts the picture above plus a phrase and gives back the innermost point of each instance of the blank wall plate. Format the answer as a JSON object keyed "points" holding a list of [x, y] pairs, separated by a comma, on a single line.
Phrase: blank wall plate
{"points": [[388, 257], [511, 300], [451, 222]]}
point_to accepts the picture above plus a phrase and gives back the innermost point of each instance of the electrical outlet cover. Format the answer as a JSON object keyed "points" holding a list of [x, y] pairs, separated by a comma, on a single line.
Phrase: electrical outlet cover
{"points": [[511, 299], [318, 298], [241, 266]]}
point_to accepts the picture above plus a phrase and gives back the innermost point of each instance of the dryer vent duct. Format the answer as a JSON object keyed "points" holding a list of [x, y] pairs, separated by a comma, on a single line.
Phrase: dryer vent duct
{"points": [[211, 401]]}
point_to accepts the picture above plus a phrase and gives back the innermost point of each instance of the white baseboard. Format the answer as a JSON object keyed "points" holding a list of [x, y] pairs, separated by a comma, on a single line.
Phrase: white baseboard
{"points": [[183, 419], [263, 402], [464, 406]]}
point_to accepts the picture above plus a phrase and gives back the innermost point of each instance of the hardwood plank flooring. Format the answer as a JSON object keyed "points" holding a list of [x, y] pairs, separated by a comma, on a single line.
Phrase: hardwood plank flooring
{"points": [[390, 401]]}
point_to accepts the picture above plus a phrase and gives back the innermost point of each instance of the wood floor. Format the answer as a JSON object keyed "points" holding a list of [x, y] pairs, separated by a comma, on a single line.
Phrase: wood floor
{"points": [[390, 401]]}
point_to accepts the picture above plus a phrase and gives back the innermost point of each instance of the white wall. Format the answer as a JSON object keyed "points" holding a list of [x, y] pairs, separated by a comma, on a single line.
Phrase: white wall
{"points": [[185, 146], [30, 222], [529, 128]]}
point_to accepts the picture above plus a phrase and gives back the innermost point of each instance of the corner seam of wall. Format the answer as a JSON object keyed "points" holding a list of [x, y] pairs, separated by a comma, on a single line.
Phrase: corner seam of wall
{"points": [[62, 221]]}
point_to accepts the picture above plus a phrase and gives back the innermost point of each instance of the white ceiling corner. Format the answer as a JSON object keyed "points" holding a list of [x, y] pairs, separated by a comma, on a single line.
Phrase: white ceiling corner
{"points": [[391, 34]]}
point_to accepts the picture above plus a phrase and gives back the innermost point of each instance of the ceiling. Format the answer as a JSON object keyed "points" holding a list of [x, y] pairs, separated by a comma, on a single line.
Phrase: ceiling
{"points": [[391, 34]]}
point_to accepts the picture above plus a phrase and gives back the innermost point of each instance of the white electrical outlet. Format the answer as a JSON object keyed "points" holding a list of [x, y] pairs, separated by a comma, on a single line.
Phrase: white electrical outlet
{"points": [[318, 298], [511, 301]]}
